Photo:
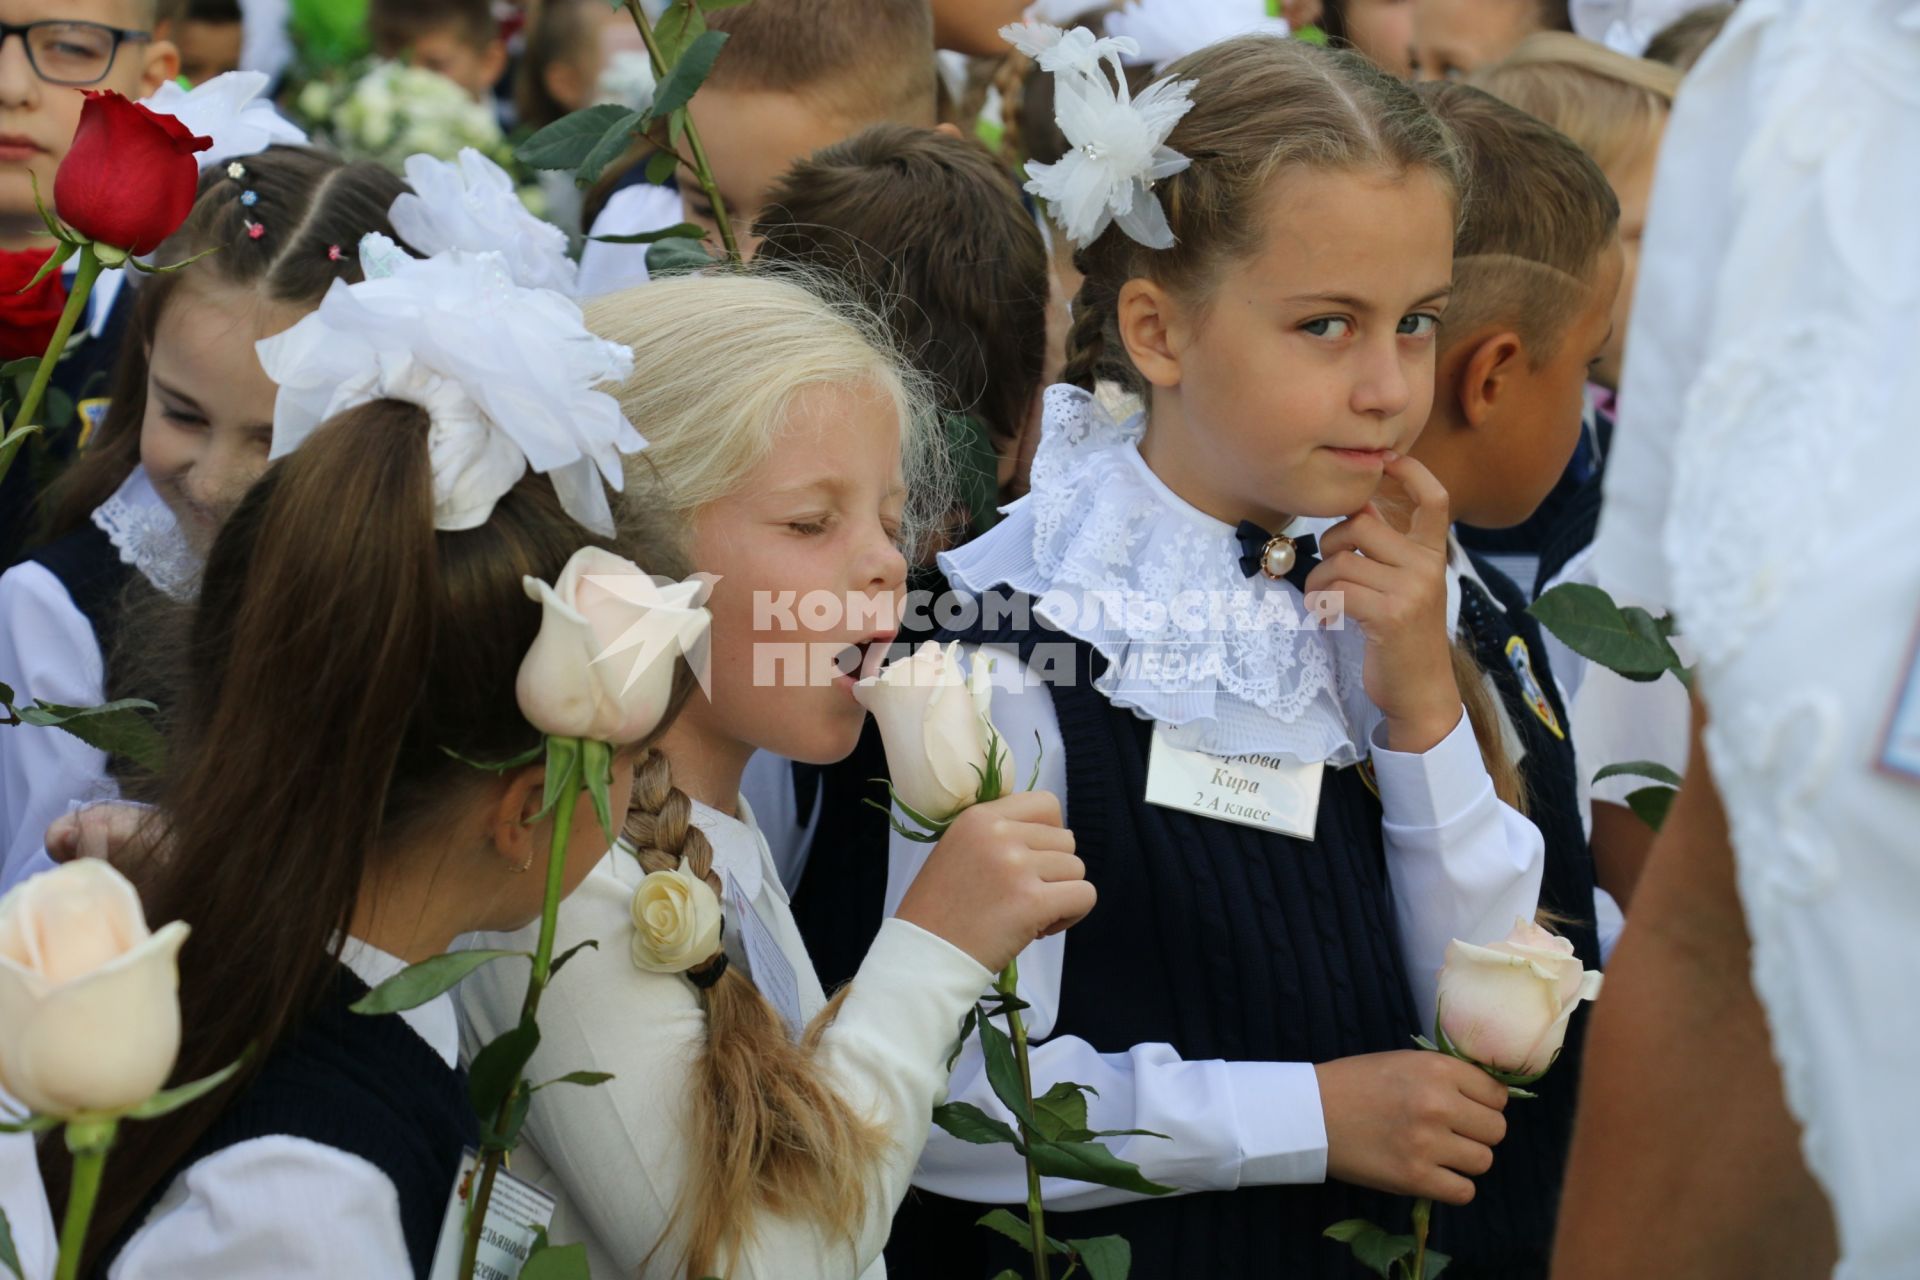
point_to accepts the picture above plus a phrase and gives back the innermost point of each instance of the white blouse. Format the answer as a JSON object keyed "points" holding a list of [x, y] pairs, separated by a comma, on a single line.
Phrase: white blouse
{"points": [[615, 1155], [287, 1207], [48, 651], [1762, 487]]}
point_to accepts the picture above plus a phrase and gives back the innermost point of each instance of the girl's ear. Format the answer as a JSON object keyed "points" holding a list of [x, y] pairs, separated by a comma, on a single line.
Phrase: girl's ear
{"points": [[162, 62], [1152, 329], [515, 807]]}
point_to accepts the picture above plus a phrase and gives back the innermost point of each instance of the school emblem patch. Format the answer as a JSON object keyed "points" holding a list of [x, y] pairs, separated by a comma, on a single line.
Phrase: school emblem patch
{"points": [[1521, 660], [91, 414]]}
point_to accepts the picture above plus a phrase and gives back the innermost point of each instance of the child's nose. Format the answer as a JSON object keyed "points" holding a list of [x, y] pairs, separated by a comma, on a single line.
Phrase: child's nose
{"points": [[18, 83]]}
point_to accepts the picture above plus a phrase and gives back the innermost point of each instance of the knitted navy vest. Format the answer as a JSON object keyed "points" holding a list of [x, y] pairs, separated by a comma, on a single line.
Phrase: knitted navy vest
{"points": [[1508, 644], [88, 566], [369, 1086], [1225, 942]]}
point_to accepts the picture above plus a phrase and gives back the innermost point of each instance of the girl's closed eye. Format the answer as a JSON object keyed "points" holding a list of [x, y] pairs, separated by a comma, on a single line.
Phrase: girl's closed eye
{"points": [[811, 526], [187, 419]]}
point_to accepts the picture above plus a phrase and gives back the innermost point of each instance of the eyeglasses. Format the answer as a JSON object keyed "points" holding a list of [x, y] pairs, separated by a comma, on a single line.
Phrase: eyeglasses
{"points": [[74, 54]]}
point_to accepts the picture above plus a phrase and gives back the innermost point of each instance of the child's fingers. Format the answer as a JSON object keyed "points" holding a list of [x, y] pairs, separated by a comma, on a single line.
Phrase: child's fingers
{"points": [[1465, 1156], [1431, 517], [1028, 806], [1045, 837], [1351, 566]]}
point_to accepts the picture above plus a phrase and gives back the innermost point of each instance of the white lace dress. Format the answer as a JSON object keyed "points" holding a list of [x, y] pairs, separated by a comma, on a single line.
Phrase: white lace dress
{"points": [[48, 651], [1762, 486]]}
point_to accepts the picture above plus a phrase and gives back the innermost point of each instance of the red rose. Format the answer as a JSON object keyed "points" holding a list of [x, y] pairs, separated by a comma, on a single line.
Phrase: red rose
{"points": [[130, 177], [27, 320]]}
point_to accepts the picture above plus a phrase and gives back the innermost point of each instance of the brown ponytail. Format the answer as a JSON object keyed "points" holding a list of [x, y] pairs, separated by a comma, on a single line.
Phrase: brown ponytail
{"points": [[769, 1136], [339, 649]]}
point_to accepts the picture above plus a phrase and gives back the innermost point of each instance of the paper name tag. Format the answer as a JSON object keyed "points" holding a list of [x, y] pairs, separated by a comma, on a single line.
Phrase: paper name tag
{"points": [[1255, 791], [517, 1212], [771, 972]]}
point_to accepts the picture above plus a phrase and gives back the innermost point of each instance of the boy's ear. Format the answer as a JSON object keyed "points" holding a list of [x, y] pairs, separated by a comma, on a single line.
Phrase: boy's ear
{"points": [[1493, 363], [1153, 329]]}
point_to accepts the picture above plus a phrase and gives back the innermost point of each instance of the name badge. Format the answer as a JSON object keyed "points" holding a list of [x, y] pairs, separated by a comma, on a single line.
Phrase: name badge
{"points": [[517, 1213], [768, 964], [1267, 792]]}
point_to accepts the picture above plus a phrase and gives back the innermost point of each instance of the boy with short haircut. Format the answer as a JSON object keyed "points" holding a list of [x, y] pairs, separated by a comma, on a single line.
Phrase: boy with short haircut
{"points": [[209, 36], [795, 76], [70, 48], [1537, 262], [457, 38]]}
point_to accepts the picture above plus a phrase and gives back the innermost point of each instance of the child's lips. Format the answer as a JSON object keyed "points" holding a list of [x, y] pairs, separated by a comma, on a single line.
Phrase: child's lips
{"points": [[16, 148]]}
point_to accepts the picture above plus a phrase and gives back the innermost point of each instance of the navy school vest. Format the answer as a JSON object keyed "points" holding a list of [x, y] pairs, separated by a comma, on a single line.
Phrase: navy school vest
{"points": [[369, 1086], [1225, 942]]}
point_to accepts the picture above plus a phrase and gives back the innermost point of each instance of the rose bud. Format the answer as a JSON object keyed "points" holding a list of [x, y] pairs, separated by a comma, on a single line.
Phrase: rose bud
{"points": [[1506, 1006], [933, 722], [129, 179]]}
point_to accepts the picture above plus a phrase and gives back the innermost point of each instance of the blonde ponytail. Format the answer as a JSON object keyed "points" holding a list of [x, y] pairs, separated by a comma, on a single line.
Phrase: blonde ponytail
{"points": [[1485, 715], [769, 1134]]}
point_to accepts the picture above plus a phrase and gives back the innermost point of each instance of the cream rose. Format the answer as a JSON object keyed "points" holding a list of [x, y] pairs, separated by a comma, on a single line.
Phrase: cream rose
{"points": [[1507, 1005], [676, 921], [89, 998], [602, 666], [934, 724]]}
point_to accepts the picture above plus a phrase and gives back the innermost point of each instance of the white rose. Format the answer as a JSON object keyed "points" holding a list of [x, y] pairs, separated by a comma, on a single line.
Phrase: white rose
{"points": [[89, 998], [1507, 1005], [935, 726], [610, 637], [676, 921]]}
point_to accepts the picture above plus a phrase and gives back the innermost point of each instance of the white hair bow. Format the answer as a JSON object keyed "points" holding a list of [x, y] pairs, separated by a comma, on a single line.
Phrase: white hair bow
{"points": [[507, 375], [1163, 31], [1116, 143], [230, 110], [473, 206]]}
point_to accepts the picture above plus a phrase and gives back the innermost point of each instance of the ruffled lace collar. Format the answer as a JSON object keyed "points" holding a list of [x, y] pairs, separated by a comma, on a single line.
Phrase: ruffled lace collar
{"points": [[1231, 665], [142, 529]]}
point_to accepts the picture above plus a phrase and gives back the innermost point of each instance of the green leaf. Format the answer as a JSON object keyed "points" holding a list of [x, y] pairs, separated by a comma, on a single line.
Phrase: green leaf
{"points": [[6, 693], [119, 728], [9, 1257], [966, 1029], [1372, 1246], [587, 1078], [567, 1262], [661, 166], [495, 1070], [899, 827], [1586, 620], [1017, 1229], [1003, 1069], [568, 141], [47, 268], [563, 773], [416, 984], [32, 1124], [688, 73], [24, 367], [169, 1100], [596, 762], [1091, 1162], [1651, 804], [1640, 769], [616, 142], [1061, 1109], [572, 951], [520, 761], [1104, 1257], [678, 231], [970, 1124], [1436, 1262], [505, 1138], [677, 28]]}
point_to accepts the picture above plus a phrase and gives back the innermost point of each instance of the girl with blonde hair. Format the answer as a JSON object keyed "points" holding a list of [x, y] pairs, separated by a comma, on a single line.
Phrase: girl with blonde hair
{"points": [[754, 1128]]}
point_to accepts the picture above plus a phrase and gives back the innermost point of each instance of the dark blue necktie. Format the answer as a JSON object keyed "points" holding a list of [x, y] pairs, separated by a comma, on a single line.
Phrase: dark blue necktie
{"points": [[1260, 551]]}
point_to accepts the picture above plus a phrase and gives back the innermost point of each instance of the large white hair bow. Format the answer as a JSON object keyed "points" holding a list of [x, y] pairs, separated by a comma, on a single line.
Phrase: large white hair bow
{"points": [[230, 110], [1116, 143], [1166, 30], [507, 375], [473, 206]]}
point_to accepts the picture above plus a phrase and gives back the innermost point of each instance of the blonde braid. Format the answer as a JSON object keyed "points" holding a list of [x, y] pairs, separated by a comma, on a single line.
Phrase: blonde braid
{"points": [[770, 1136]]}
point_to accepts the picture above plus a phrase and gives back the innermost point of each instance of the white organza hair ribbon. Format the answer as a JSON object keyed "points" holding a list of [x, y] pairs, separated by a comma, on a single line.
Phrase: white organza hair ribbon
{"points": [[1116, 142], [1166, 30], [473, 206], [230, 110], [508, 377]]}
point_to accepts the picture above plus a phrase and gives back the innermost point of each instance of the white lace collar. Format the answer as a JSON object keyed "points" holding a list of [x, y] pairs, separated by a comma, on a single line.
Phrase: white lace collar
{"points": [[142, 529], [1231, 665]]}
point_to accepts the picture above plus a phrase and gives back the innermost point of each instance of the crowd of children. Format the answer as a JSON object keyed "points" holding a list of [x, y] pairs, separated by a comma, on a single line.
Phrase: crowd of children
{"points": [[1038, 334]]}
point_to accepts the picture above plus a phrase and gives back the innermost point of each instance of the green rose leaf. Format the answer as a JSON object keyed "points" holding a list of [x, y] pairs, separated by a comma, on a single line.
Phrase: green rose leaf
{"points": [[1372, 1247], [1003, 1070], [9, 1257], [1061, 1109], [495, 1071], [613, 144], [1586, 620], [678, 231], [568, 141], [416, 984], [180, 1095], [970, 1124], [569, 954], [688, 73], [588, 1078], [1015, 1228], [1091, 1162], [565, 1262], [119, 728], [1640, 769], [1651, 804], [1104, 1257]]}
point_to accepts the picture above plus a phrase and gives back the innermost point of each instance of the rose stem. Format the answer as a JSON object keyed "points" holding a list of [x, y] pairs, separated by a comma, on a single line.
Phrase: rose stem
{"points": [[1422, 1218], [87, 272], [88, 1140], [701, 168], [536, 983], [1008, 982]]}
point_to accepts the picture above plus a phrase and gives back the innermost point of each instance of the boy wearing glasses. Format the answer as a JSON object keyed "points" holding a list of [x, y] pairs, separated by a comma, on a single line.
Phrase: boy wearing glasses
{"points": [[51, 53]]}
